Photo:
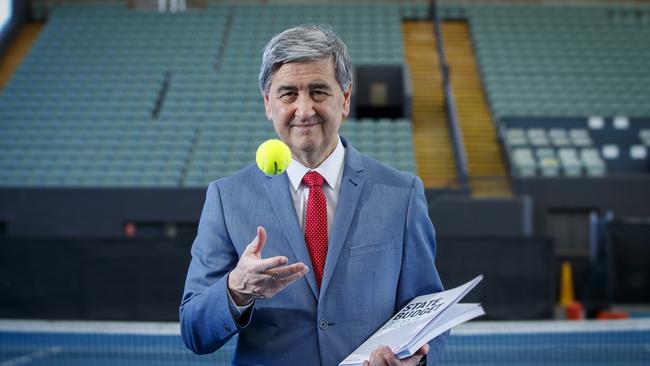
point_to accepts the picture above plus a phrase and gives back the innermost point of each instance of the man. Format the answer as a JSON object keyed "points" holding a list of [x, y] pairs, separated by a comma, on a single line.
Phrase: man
{"points": [[341, 242]]}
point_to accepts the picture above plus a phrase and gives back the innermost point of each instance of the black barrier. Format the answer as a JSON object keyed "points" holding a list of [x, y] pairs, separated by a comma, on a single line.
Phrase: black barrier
{"points": [[142, 279], [519, 274], [103, 213], [631, 260], [118, 279], [623, 195], [463, 216], [96, 212]]}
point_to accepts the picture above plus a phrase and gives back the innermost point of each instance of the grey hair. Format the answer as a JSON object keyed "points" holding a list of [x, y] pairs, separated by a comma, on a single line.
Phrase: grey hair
{"points": [[305, 43]]}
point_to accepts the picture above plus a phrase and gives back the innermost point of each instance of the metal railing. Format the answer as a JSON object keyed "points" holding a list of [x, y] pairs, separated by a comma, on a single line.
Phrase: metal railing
{"points": [[456, 136]]}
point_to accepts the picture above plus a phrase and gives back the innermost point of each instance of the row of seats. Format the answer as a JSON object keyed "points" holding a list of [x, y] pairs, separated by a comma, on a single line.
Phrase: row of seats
{"points": [[573, 147], [549, 162], [54, 154], [542, 137], [83, 179]]}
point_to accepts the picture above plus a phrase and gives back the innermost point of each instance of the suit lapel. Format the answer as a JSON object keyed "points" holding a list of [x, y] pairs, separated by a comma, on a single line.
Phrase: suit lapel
{"points": [[351, 187], [277, 189]]}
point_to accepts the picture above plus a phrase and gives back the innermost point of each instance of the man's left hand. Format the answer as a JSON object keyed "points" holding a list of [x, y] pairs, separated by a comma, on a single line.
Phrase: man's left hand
{"points": [[384, 356]]}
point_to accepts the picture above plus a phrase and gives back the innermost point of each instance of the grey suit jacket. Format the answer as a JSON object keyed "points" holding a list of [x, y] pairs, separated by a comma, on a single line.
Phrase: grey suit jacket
{"points": [[381, 255]]}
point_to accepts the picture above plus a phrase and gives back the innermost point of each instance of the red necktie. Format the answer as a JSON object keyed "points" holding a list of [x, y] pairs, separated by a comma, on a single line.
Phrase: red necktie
{"points": [[316, 223]]}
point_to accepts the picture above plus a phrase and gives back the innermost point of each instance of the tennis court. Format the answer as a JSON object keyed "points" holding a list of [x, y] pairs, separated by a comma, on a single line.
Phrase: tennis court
{"points": [[48, 343]]}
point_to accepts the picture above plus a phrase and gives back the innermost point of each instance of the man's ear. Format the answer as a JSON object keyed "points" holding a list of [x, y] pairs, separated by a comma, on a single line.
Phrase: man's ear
{"points": [[347, 96], [267, 107]]}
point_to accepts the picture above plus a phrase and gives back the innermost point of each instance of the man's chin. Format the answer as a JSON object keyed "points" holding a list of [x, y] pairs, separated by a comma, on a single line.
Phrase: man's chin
{"points": [[306, 148], [305, 145]]}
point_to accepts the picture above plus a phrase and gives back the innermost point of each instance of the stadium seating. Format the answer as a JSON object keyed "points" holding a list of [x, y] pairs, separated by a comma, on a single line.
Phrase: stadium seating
{"points": [[110, 97], [562, 61], [102, 77]]}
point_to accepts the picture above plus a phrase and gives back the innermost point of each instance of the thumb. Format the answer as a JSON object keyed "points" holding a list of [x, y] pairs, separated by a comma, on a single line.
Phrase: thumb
{"points": [[255, 247], [423, 350]]}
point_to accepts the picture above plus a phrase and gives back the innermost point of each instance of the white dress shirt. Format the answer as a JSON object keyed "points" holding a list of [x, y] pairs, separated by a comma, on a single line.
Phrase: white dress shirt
{"points": [[332, 171]]}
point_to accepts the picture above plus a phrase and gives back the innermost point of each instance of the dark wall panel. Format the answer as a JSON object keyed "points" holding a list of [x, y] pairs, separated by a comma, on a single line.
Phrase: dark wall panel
{"points": [[141, 279], [94, 213], [102, 213], [624, 196], [519, 274], [456, 215], [631, 262], [127, 279], [381, 91]]}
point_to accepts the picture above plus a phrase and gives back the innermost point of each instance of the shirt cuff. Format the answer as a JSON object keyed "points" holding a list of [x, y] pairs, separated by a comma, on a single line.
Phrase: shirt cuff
{"points": [[235, 310]]}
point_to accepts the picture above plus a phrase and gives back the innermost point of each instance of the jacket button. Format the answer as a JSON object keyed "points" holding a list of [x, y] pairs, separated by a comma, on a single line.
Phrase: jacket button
{"points": [[323, 324]]}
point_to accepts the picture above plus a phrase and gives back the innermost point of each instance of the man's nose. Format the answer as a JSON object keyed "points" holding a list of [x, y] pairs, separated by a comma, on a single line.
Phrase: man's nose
{"points": [[304, 107]]}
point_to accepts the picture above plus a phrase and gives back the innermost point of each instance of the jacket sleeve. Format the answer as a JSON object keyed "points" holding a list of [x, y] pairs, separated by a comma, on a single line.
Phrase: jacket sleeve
{"points": [[419, 275], [205, 317]]}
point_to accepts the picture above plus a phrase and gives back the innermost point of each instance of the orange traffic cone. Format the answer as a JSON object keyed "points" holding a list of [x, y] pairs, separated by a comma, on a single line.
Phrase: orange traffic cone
{"points": [[573, 310], [567, 296]]}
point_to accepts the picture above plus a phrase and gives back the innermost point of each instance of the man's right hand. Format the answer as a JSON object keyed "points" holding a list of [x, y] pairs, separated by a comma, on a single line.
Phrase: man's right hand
{"points": [[254, 277]]}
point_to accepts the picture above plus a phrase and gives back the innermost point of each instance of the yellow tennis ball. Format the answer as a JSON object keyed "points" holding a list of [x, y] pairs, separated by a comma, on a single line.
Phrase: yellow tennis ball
{"points": [[273, 157]]}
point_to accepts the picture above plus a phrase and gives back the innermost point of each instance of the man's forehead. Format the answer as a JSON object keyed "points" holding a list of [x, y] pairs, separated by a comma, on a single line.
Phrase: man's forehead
{"points": [[315, 70]]}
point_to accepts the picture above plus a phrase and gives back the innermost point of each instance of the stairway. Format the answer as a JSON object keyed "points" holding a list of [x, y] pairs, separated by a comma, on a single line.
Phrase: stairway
{"points": [[486, 166], [18, 50], [433, 151]]}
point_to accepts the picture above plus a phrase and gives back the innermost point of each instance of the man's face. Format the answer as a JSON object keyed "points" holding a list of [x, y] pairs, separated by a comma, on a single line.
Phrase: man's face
{"points": [[306, 105]]}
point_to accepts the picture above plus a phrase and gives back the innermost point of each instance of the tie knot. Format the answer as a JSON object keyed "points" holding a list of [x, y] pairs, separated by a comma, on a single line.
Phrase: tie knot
{"points": [[312, 179]]}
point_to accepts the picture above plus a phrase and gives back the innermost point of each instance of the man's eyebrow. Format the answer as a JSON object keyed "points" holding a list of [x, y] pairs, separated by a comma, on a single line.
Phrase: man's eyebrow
{"points": [[320, 85], [283, 88]]}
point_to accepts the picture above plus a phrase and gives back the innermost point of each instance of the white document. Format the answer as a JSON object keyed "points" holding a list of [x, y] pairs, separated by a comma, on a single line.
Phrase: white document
{"points": [[422, 319]]}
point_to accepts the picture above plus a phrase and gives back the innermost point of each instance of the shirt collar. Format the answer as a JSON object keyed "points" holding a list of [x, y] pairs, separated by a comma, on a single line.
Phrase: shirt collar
{"points": [[329, 168]]}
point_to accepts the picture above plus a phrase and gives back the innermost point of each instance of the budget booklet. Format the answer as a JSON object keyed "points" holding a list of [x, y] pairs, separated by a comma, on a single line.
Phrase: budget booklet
{"points": [[422, 319]]}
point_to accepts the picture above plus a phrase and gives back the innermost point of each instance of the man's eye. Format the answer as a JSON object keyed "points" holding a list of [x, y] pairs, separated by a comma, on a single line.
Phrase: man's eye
{"points": [[287, 95], [319, 94]]}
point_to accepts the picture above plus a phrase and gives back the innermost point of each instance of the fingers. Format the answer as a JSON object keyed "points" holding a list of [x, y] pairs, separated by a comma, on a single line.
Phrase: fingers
{"points": [[389, 357], [286, 275], [417, 356], [277, 269], [280, 272], [265, 285], [384, 355], [263, 265]]}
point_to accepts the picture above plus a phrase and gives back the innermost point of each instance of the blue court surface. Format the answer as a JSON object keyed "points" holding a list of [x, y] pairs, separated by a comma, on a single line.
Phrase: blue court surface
{"points": [[49, 343]]}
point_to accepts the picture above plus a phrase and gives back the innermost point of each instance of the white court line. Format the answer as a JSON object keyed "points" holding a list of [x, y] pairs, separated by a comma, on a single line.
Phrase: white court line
{"points": [[31, 357], [471, 328], [551, 326], [94, 327]]}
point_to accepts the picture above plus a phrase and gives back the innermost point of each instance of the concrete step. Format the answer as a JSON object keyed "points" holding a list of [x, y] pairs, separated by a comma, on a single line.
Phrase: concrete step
{"points": [[433, 151]]}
